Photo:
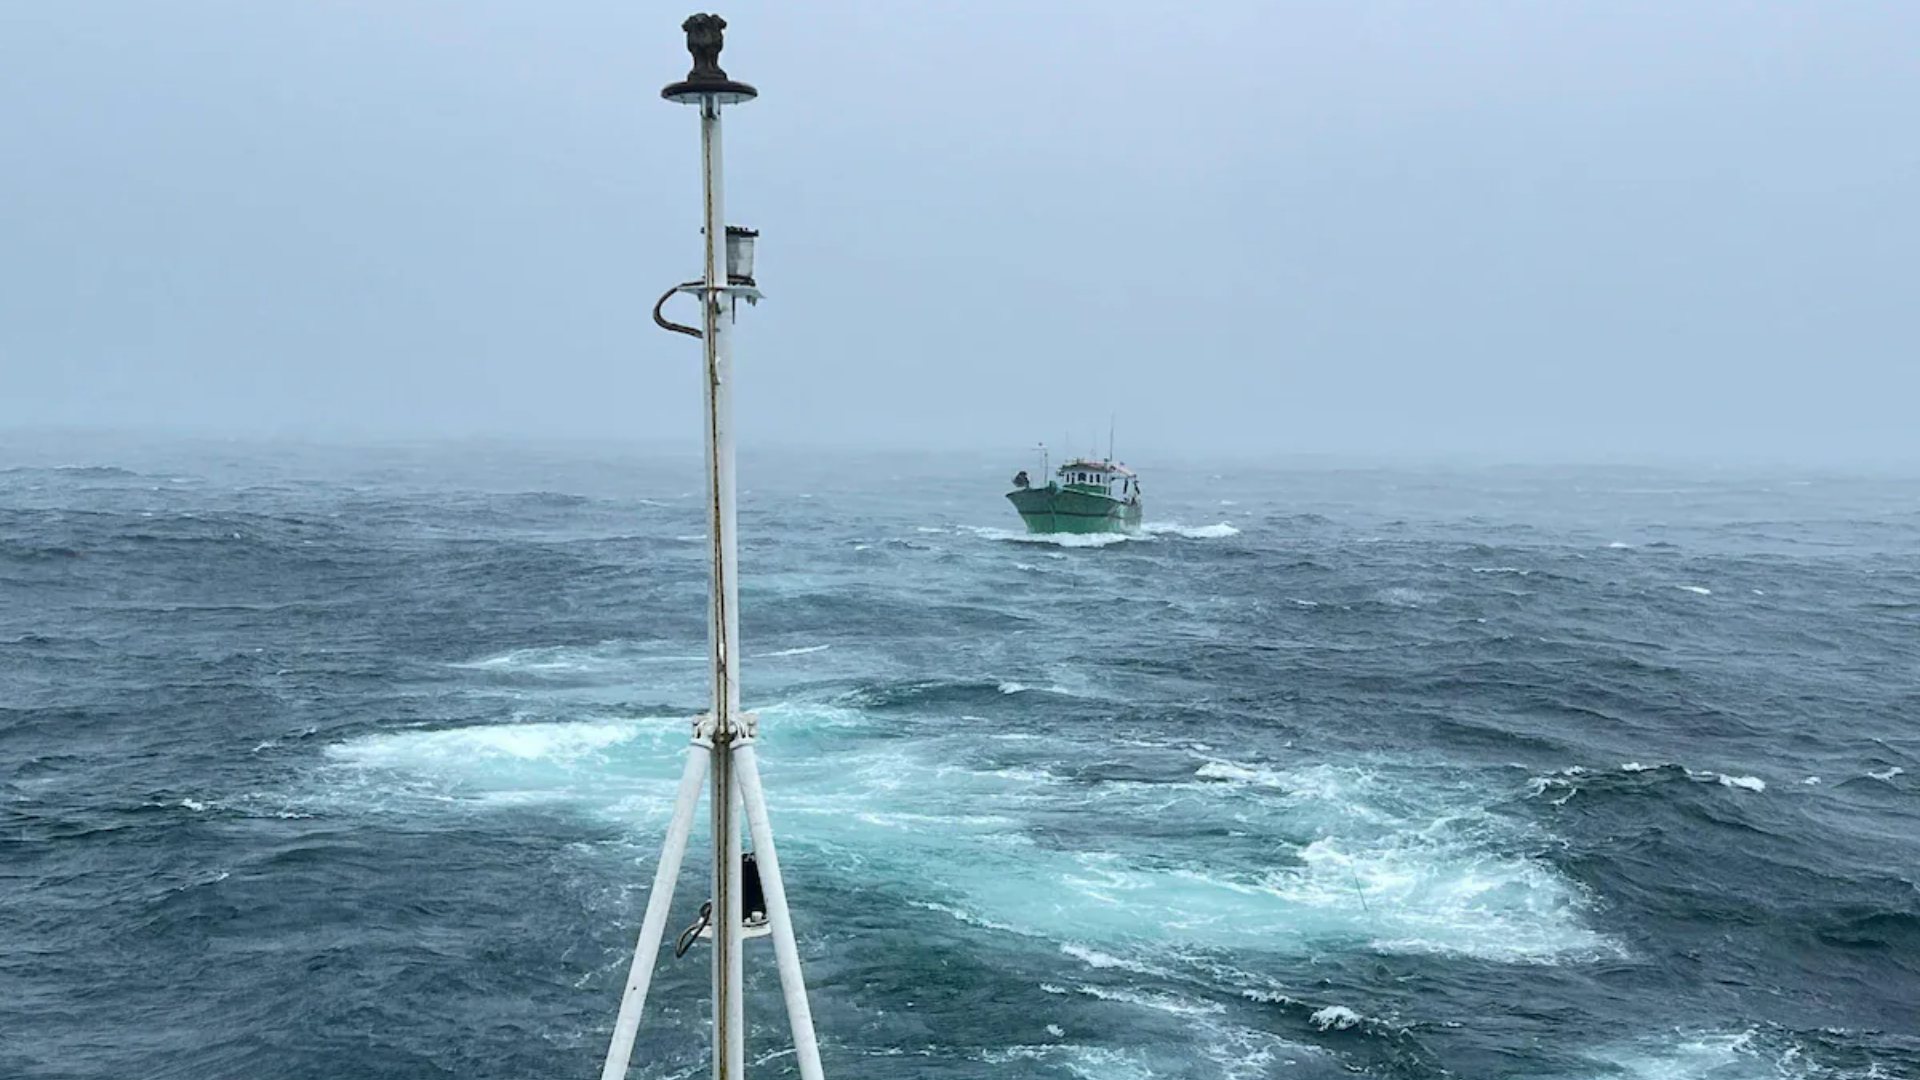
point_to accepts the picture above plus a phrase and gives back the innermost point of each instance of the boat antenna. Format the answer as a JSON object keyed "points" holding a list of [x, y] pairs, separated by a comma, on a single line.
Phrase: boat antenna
{"points": [[724, 737], [1110, 423]]}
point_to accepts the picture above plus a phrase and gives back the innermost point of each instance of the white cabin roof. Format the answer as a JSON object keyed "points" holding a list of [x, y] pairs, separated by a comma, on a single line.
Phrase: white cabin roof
{"points": [[1089, 465]]}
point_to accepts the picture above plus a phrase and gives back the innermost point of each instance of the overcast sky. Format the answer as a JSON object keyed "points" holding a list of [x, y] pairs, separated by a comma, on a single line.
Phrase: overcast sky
{"points": [[1555, 230]]}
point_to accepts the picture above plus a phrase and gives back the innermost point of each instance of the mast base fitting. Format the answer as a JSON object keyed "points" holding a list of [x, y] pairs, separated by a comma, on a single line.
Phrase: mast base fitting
{"points": [[746, 728]]}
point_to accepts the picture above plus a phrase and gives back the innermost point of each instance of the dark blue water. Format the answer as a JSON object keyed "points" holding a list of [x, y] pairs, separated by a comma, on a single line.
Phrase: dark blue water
{"points": [[356, 763]]}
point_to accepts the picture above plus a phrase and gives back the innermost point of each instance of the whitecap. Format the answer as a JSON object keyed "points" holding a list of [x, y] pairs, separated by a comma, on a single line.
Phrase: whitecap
{"points": [[1094, 958], [1216, 531], [800, 651], [1335, 1018], [1700, 590], [1178, 1006], [1228, 770], [1398, 864], [972, 919], [1062, 540], [1701, 1055], [558, 741]]}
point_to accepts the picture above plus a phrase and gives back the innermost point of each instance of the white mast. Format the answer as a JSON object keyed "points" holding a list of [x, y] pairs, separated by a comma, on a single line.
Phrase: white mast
{"points": [[723, 738]]}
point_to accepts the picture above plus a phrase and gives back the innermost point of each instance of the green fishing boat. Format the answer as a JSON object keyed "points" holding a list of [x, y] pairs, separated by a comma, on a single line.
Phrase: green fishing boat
{"points": [[1086, 496]]}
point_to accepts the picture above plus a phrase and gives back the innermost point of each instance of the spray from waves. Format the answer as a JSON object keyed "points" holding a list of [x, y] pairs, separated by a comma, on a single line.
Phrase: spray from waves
{"points": [[1409, 866], [1062, 540], [565, 661], [1558, 787], [1347, 856], [1335, 1018], [1718, 1055], [1217, 531], [802, 650], [1150, 531], [1231, 1051]]}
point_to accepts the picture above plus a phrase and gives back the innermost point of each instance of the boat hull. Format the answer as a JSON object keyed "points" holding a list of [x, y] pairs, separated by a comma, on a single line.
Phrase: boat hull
{"points": [[1064, 510]]}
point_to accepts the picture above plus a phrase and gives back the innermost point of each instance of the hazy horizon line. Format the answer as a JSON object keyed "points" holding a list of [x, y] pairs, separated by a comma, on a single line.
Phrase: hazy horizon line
{"points": [[590, 444]]}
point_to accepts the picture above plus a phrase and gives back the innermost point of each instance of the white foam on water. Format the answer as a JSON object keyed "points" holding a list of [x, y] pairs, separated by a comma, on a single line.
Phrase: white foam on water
{"points": [[1386, 862], [1063, 540], [1409, 897], [1166, 1003], [625, 768], [1094, 958], [1887, 773], [1700, 590], [1401, 596], [1621, 545], [1398, 868], [1743, 783], [801, 651], [1227, 770], [1087, 1062], [1514, 570], [971, 919], [1697, 1055], [1568, 781], [461, 748], [1217, 531], [606, 657], [1335, 1018]]}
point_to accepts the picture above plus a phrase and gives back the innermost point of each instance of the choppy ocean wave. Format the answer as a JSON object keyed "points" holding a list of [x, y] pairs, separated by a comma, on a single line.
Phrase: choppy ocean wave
{"points": [[330, 769]]}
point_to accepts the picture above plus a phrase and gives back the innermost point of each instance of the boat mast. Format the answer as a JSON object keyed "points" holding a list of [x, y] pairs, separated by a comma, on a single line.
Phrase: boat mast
{"points": [[723, 739], [723, 612]]}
